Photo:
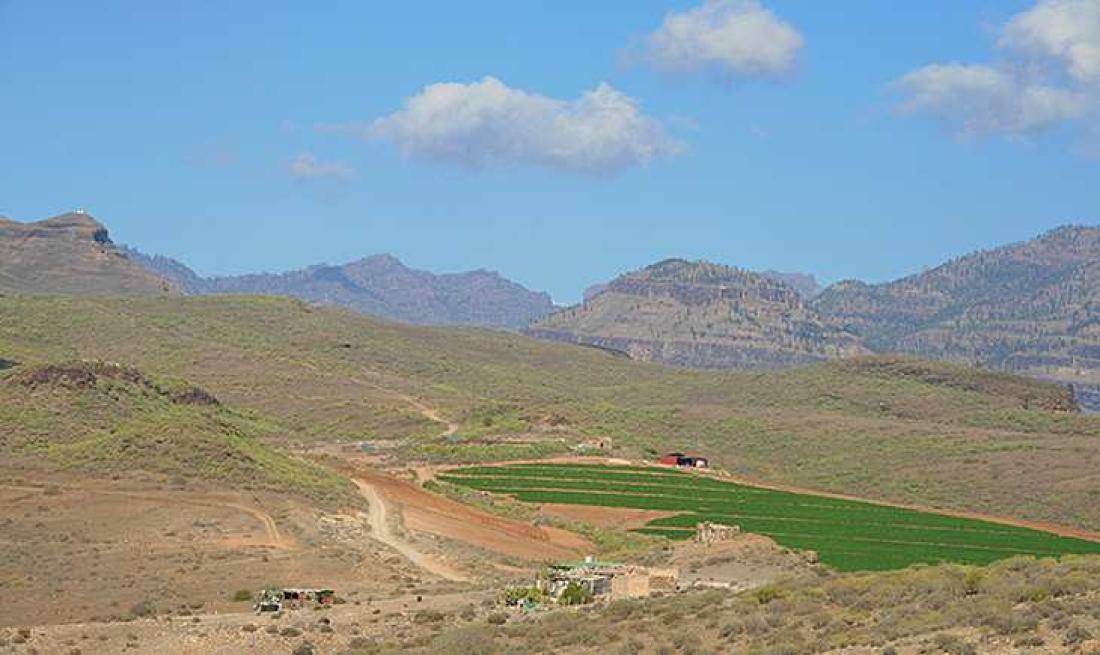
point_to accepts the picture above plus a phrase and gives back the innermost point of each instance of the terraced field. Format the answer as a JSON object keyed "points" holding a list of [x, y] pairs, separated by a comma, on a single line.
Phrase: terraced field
{"points": [[848, 535]]}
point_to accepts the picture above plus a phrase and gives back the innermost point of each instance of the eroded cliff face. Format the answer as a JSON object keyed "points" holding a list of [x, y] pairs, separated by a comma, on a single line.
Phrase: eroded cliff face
{"points": [[700, 315]]}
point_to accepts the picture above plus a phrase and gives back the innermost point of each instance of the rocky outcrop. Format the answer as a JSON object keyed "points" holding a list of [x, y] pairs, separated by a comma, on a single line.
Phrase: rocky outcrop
{"points": [[804, 283], [70, 254], [700, 315]]}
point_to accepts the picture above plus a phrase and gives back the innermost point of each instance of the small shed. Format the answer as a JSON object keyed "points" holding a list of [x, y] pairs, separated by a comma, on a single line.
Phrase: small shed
{"points": [[276, 600], [606, 580], [686, 460]]}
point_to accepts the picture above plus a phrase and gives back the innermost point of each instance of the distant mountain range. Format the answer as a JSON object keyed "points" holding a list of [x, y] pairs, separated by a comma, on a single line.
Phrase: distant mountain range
{"points": [[1031, 307], [72, 254], [379, 285], [701, 315]]}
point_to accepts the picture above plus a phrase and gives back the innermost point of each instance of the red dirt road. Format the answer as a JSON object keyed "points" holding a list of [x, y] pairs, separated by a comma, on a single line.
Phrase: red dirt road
{"points": [[426, 512]]}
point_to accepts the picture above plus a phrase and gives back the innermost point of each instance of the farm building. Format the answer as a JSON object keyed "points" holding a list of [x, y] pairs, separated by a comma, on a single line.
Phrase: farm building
{"points": [[276, 600], [685, 459], [606, 580]]}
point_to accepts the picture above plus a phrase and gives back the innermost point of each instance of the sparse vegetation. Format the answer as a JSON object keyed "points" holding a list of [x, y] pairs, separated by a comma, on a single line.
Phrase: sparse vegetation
{"points": [[108, 419], [931, 433], [926, 609], [575, 594]]}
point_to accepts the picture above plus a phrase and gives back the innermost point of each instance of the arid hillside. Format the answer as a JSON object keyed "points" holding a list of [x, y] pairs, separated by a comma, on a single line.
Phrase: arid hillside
{"points": [[1017, 606], [124, 495], [700, 315], [928, 433], [70, 254], [1031, 308]]}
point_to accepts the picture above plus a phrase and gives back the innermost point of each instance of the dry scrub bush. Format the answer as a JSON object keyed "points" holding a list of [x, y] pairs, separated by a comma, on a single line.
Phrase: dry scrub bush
{"points": [[467, 640]]}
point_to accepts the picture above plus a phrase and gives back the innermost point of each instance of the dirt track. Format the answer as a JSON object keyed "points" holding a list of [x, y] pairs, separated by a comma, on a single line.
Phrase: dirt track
{"points": [[274, 538], [378, 518], [427, 512]]}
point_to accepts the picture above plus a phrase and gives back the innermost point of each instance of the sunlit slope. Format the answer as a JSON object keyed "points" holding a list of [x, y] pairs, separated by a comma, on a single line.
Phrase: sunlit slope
{"points": [[106, 420], [906, 430]]}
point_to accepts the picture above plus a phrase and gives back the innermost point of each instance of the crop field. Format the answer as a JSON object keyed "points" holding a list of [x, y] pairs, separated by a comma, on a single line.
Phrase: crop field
{"points": [[848, 535]]}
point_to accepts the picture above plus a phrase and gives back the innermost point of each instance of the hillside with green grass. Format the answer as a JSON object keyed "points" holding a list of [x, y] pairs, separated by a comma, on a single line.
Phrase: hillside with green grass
{"points": [[108, 420], [894, 429]]}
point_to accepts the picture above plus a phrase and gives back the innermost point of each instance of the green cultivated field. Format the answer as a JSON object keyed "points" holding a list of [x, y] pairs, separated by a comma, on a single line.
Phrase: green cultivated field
{"points": [[848, 535]]}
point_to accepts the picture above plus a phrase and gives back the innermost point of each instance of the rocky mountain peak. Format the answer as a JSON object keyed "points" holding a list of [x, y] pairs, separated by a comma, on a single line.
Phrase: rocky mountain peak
{"points": [[71, 253], [1027, 307], [683, 271], [78, 223], [382, 261], [697, 313]]}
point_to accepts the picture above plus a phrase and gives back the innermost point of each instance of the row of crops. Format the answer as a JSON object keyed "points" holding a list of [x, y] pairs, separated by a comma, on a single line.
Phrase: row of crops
{"points": [[847, 534]]}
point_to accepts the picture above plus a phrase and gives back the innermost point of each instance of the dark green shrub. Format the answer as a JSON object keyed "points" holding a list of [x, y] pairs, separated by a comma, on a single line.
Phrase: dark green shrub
{"points": [[575, 594]]}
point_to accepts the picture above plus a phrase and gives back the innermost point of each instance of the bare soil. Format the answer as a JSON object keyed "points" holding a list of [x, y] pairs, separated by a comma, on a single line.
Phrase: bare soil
{"points": [[618, 518], [330, 630], [745, 562], [423, 511], [81, 550]]}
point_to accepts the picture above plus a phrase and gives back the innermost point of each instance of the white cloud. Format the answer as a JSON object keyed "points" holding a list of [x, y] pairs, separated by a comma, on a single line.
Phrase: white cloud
{"points": [[489, 123], [1068, 30], [1019, 95], [307, 167], [979, 100], [739, 37]]}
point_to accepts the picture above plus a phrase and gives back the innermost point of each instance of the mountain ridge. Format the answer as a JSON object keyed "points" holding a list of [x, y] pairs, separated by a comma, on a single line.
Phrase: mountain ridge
{"points": [[1031, 307], [379, 285], [699, 314]]}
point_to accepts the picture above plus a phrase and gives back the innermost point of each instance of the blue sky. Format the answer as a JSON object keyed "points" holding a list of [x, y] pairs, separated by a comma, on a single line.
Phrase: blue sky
{"points": [[246, 136]]}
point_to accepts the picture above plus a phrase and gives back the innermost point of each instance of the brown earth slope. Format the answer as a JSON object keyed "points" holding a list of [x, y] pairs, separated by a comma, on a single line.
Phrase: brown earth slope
{"points": [[70, 254]]}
